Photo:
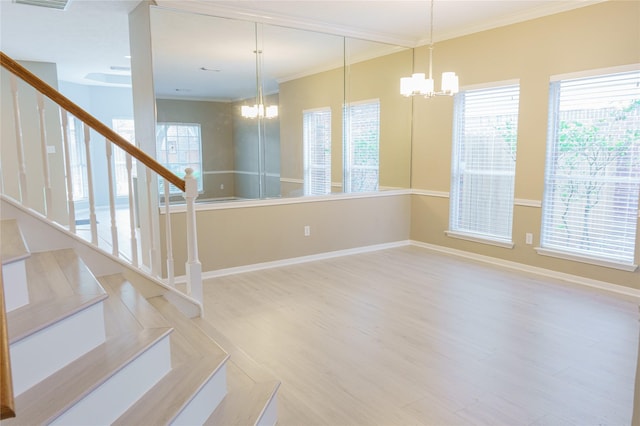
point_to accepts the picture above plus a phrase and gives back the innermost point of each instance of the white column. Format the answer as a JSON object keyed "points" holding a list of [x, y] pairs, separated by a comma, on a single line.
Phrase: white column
{"points": [[22, 168], [112, 199], [167, 224], [92, 202], [71, 208], [193, 266]]}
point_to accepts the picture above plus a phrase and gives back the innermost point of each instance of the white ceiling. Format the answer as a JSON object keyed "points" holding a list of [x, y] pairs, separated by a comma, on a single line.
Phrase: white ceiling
{"points": [[91, 36]]}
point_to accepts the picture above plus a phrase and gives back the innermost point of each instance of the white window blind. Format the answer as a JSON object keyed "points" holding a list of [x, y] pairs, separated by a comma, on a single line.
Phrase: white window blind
{"points": [[317, 151], [484, 162], [361, 146], [178, 146], [592, 178]]}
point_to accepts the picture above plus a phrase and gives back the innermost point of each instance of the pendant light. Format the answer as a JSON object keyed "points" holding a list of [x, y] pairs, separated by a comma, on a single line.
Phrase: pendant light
{"points": [[418, 84]]}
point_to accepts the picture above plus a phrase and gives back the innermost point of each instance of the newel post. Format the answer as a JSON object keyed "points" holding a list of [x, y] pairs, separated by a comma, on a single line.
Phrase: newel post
{"points": [[193, 266]]}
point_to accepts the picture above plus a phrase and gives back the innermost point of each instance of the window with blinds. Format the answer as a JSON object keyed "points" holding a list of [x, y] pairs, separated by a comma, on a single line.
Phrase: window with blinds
{"points": [[178, 146], [484, 162], [317, 151], [361, 146], [592, 177]]}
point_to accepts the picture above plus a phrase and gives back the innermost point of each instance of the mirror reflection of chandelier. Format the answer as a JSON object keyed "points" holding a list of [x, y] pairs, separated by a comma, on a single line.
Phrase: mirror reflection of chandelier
{"points": [[259, 111], [418, 85]]}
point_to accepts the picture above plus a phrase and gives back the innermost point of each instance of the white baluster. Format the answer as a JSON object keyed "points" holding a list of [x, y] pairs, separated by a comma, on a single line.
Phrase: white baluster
{"points": [[71, 208], [167, 224], [132, 209], [92, 203], [48, 208], [22, 167], [193, 266], [112, 199], [153, 264]]}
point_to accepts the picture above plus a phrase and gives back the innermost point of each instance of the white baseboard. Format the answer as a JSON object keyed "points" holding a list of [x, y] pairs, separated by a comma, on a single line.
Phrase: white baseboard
{"points": [[574, 279], [294, 261]]}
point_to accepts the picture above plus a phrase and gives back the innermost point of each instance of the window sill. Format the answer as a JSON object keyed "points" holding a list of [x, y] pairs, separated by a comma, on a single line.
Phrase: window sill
{"points": [[480, 239], [589, 260]]}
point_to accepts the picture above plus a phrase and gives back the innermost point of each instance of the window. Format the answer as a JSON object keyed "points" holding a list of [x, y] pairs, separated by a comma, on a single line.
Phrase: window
{"points": [[317, 151], [484, 163], [592, 177], [361, 146], [178, 146], [124, 127]]}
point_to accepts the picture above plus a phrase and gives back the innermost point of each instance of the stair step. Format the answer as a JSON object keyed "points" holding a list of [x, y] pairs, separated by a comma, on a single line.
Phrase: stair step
{"points": [[60, 285], [13, 247], [188, 339], [56, 394], [65, 307], [254, 406], [13, 253], [131, 298], [173, 395]]}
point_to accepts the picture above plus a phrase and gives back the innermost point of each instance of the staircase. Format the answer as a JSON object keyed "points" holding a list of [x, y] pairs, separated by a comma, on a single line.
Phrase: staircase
{"points": [[113, 349]]}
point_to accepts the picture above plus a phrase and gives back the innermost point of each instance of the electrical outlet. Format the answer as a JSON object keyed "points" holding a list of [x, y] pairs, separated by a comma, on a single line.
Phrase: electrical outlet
{"points": [[307, 230], [528, 238], [222, 186]]}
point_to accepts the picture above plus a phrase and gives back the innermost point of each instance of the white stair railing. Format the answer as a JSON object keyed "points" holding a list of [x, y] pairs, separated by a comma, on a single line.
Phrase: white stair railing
{"points": [[194, 268], [22, 167], [44, 151], [112, 200], [167, 226], [71, 206], [93, 222], [132, 215], [103, 230]]}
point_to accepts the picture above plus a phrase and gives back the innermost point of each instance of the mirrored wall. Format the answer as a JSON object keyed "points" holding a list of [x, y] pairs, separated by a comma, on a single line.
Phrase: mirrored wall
{"points": [[279, 112]]}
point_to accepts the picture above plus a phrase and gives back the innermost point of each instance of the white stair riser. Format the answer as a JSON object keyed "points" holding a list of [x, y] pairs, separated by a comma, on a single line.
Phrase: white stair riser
{"points": [[36, 357], [269, 415], [112, 398], [205, 401], [14, 278]]}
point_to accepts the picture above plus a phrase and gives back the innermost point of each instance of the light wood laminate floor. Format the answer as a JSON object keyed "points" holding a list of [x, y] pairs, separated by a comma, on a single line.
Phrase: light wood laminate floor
{"points": [[407, 336]]}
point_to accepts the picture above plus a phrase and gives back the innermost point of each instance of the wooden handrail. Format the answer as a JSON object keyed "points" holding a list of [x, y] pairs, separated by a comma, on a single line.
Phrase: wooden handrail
{"points": [[88, 119], [7, 406]]}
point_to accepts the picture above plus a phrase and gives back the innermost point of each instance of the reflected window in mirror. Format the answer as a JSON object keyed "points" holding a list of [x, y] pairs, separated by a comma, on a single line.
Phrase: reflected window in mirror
{"points": [[317, 151], [362, 146], [179, 146]]}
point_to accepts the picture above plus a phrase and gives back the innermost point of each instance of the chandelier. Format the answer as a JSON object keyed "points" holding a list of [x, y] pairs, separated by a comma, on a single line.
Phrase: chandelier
{"points": [[259, 111], [417, 84]]}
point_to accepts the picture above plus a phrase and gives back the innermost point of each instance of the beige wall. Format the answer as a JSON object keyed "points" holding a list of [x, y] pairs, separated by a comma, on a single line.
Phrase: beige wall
{"points": [[365, 80], [216, 127], [597, 36], [379, 78], [316, 91], [229, 237]]}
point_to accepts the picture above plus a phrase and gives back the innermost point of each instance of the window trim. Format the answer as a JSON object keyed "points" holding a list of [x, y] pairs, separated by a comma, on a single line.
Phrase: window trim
{"points": [[470, 235], [592, 259], [201, 180], [306, 168], [347, 165]]}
